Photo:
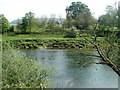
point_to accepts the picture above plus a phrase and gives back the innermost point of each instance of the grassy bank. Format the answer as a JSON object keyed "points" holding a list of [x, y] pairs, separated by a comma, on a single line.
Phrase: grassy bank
{"points": [[46, 41]]}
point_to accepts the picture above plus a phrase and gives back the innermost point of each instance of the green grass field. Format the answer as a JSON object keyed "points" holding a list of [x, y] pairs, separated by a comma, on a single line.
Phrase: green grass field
{"points": [[39, 36]]}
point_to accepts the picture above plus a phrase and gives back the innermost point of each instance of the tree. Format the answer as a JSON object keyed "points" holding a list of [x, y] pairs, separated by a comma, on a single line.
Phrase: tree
{"points": [[74, 9], [19, 24], [67, 23], [108, 49], [5, 24], [119, 15], [42, 22], [52, 22], [0, 23], [79, 12], [12, 28], [28, 22], [110, 18]]}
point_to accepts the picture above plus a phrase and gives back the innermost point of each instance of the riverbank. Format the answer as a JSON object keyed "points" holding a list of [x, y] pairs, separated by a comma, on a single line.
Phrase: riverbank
{"points": [[46, 41], [51, 43]]}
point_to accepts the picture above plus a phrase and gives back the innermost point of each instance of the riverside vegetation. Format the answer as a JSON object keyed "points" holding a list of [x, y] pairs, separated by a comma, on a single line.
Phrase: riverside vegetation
{"points": [[79, 30], [21, 72]]}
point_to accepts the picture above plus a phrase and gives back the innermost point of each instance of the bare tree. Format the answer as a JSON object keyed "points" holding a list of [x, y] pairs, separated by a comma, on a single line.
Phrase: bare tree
{"points": [[52, 22], [60, 20], [42, 21]]}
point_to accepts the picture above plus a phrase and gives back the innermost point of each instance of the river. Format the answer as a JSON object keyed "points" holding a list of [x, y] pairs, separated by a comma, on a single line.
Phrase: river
{"points": [[73, 69]]}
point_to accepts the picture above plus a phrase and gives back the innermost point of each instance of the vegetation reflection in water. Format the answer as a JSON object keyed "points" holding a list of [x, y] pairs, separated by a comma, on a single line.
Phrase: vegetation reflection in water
{"points": [[73, 69]]}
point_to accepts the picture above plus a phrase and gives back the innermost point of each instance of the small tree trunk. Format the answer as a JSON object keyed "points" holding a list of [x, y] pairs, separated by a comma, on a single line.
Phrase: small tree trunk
{"points": [[108, 62]]}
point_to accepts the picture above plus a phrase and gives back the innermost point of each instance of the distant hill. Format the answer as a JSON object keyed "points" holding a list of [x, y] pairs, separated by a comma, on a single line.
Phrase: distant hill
{"points": [[14, 22]]}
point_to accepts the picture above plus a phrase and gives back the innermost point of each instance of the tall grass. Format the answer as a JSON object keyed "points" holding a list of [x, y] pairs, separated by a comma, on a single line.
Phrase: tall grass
{"points": [[21, 72]]}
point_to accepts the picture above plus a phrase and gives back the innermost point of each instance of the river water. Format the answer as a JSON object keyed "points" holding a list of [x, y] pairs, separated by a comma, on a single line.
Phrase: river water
{"points": [[73, 69]]}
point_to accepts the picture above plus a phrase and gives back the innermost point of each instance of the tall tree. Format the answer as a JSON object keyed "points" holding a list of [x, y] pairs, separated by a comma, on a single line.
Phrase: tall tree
{"points": [[80, 13], [0, 23], [5, 24], [28, 21], [110, 18], [119, 15], [74, 9]]}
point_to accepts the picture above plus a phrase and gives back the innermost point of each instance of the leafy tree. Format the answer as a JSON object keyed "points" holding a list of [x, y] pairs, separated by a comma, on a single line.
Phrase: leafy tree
{"points": [[119, 15], [74, 9], [80, 13], [12, 28], [67, 23], [110, 18], [0, 23], [28, 22], [5, 24], [19, 24]]}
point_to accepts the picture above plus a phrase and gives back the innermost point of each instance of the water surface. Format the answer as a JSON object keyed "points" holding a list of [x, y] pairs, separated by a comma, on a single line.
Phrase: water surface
{"points": [[73, 69]]}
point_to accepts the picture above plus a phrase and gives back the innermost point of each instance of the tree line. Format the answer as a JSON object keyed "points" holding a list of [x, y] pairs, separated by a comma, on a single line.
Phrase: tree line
{"points": [[78, 15]]}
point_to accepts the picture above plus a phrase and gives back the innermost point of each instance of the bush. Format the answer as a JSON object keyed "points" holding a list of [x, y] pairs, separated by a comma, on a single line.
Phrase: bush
{"points": [[58, 28], [21, 72], [12, 28], [72, 33]]}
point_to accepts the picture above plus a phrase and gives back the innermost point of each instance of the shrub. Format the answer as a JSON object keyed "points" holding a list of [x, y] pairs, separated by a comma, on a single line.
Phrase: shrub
{"points": [[12, 28], [72, 33], [21, 72], [58, 28]]}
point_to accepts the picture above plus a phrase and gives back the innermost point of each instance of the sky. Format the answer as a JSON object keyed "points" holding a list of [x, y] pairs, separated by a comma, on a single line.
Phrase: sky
{"points": [[16, 9]]}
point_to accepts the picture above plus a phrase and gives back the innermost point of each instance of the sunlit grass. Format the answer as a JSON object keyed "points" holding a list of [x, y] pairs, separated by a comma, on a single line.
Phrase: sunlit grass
{"points": [[38, 36]]}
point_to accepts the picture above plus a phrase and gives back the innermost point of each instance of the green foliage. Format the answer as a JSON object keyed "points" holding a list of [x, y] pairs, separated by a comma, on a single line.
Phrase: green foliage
{"points": [[5, 24], [18, 71], [28, 22], [78, 15], [58, 28], [47, 42], [110, 18], [67, 23], [42, 22], [74, 9], [19, 25], [72, 33], [51, 24], [12, 28], [119, 15]]}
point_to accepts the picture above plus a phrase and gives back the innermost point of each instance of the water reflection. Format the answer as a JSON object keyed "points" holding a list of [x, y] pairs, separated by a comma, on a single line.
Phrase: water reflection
{"points": [[68, 73]]}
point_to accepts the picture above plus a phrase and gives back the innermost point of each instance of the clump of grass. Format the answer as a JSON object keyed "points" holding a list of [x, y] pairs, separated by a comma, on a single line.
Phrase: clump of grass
{"points": [[21, 72]]}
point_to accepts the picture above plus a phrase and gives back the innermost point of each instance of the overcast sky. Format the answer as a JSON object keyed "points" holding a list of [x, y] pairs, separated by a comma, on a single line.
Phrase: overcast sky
{"points": [[14, 9]]}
